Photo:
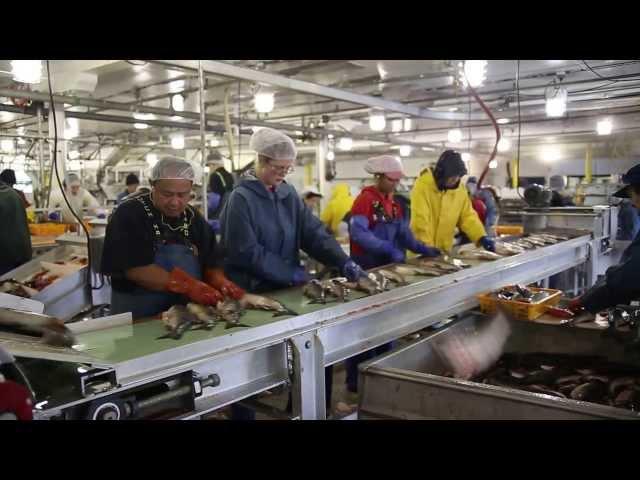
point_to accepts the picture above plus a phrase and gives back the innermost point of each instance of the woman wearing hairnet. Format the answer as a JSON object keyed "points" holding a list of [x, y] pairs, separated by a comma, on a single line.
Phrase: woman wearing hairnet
{"points": [[158, 249], [265, 224], [380, 235]]}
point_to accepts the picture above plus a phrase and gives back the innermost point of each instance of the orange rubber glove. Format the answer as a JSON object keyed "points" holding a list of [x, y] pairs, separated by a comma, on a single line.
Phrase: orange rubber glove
{"points": [[215, 277], [197, 291]]}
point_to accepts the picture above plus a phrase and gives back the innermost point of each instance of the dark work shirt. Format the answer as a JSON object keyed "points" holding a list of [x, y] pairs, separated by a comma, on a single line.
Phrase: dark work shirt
{"points": [[130, 240]]}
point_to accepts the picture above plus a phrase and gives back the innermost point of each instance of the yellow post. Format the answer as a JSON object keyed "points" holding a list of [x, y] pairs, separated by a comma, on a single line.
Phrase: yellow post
{"points": [[588, 165], [308, 174], [514, 173]]}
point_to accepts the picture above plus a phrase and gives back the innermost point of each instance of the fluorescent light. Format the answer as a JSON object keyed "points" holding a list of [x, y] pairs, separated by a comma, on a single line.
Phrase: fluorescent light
{"points": [[214, 142], [428, 149], [143, 116], [330, 155], [405, 150], [377, 122], [493, 164], [556, 101], [503, 121], [454, 135], [466, 157], [263, 102], [74, 155], [175, 118], [176, 86], [26, 71], [177, 103], [504, 144], [550, 153], [408, 124], [152, 159], [474, 72], [6, 145], [177, 141], [396, 125], [140, 126], [330, 136], [604, 127], [345, 143]]}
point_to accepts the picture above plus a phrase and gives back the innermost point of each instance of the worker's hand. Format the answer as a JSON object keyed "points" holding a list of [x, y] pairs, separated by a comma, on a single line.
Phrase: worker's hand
{"points": [[575, 305], [197, 291], [215, 225], [55, 216], [488, 244], [397, 256], [15, 401], [427, 251], [300, 276], [352, 271], [215, 277]]}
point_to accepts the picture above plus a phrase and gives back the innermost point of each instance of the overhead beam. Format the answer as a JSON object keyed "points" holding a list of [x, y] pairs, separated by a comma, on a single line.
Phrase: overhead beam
{"points": [[228, 70]]}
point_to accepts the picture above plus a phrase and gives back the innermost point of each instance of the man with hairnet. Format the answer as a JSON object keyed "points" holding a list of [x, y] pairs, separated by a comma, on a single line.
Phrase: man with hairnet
{"points": [[557, 183], [265, 224], [78, 197], [159, 251], [439, 204]]}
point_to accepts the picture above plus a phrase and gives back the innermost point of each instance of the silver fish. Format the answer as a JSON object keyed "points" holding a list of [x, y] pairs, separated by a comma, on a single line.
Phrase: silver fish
{"points": [[51, 330], [336, 287], [381, 280], [367, 284], [393, 276], [315, 291], [177, 320], [230, 312], [205, 315], [258, 302]]}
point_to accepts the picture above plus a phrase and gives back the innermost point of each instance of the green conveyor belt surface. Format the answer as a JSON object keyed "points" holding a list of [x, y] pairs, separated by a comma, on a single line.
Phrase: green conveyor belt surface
{"points": [[120, 344]]}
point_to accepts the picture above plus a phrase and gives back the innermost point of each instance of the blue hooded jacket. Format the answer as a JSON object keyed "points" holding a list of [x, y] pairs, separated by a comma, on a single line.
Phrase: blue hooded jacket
{"points": [[263, 231]]}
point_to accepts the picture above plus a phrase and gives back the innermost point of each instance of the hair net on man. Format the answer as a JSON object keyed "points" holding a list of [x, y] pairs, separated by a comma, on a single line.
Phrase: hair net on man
{"points": [[72, 179], [388, 164], [273, 144], [172, 168]]}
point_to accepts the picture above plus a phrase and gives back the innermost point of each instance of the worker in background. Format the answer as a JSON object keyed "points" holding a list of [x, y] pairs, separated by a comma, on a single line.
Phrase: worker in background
{"points": [[15, 239], [439, 204], [380, 235], [621, 283], [78, 198], [265, 224], [15, 398], [628, 220], [8, 176], [221, 184], [311, 198], [488, 199], [132, 183], [158, 249], [337, 209], [557, 183]]}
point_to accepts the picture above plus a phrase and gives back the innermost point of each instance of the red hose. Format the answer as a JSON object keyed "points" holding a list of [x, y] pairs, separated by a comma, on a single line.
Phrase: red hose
{"points": [[495, 125]]}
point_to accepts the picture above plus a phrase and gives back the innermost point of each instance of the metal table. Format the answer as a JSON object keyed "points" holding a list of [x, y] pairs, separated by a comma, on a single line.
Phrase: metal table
{"points": [[251, 360]]}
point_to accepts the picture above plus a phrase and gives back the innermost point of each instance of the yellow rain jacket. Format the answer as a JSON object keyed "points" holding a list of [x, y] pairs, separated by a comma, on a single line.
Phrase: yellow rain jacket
{"points": [[435, 214], [339, 205]]}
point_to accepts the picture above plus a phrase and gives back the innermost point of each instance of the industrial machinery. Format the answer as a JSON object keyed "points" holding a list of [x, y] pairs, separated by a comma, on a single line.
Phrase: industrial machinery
{"points": [[126, 371]]}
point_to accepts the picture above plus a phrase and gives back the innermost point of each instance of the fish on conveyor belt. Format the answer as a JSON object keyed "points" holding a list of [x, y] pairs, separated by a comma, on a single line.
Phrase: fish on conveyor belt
{"points": [[177, 320], [478, 254], [381, 280], [393, 276], [524, 244], [258, 302], [535, 241], [367, 284], [414, 270], [336, 287], [505, 248], [206, 315], [51, 330], [439, 265], [230, 312], [589, 392], [315, 291], [454, 262], [13, 287]]}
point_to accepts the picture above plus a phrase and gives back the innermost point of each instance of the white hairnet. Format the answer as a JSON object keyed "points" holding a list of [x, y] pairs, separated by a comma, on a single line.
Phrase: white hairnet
{"points": [[172, 168], [273, 144], [384, 164], [72, 179]]}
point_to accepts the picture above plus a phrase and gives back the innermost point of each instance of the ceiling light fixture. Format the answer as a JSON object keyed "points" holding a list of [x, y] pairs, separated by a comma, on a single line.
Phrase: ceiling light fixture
{"points": [[503, 121], [473, 72], [408, 124], [177, 102], [345, 144], [493, 164], [454, 135], [405, 150], [152, 159], [72, 129], [330, 155], [396, 125], [504, 144], [26, 71], [176, 86], [556, 101], [604, 127], [377, 122], [264, 102], [177, 141]]}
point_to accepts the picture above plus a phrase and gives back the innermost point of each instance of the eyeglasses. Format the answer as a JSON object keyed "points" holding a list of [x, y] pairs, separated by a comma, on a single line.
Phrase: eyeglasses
{"points": [[283, 170]]}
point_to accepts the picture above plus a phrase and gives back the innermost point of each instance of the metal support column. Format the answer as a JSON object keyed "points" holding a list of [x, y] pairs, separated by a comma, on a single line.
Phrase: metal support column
{"points": [[44, 193], [62, 143], [308, 377], [203, 141], [321, 156]]}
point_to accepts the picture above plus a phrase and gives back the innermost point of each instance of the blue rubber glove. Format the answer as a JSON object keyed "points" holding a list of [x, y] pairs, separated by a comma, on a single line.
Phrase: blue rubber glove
{"points": [[397, 256], [300, 276], [422, 249], [213, 200], [488, 244], [55, 216], [352, 271], [215, 225]]}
